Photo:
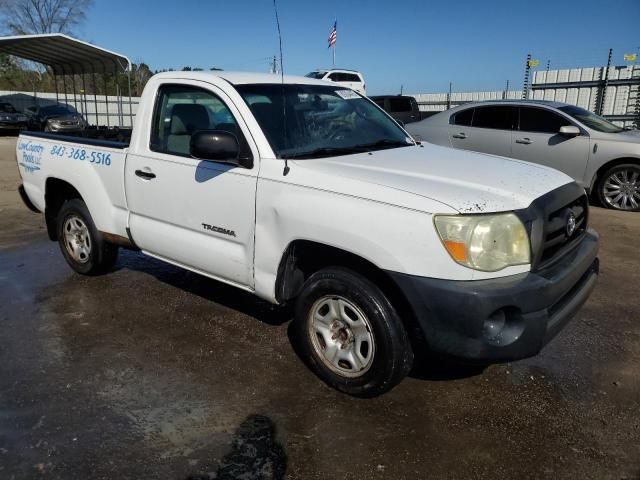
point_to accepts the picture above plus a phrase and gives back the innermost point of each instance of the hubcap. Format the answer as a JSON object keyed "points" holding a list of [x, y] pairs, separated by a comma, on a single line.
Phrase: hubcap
{"points": [[622, 189], [77, 239], [342, 336]]}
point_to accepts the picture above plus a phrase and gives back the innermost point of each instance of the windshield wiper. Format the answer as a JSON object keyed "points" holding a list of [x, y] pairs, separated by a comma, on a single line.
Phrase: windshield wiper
{"points": [[325, 152], [383, 144], [366, 147]]}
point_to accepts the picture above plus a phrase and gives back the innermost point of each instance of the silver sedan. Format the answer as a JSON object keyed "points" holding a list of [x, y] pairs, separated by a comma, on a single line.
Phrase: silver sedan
{"points": [[600, 156]]}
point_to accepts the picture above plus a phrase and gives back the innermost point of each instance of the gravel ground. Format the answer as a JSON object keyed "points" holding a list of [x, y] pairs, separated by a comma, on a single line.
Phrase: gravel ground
{"points": [[154, 372]]}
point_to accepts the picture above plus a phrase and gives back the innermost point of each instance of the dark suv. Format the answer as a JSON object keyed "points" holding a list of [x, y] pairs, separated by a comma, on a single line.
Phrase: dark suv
{"points": [[10, 118], [55, 118], [402, 108]]}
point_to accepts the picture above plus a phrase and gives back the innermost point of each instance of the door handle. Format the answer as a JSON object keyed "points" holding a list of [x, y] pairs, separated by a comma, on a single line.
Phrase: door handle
{"points": [[460, 135], [524, 141], [145, 175]]}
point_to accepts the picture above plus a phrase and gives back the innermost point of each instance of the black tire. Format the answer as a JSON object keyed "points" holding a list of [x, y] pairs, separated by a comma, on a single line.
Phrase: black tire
{"points": [[601, 187], [100, 255], [392, 358]]}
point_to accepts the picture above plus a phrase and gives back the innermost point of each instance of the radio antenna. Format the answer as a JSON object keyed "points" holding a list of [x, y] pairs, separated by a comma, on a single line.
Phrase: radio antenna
{"points": [[284, 104]]}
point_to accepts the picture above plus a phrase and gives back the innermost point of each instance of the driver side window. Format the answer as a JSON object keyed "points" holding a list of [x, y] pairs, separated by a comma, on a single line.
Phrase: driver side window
{"points": [[180, 111]]}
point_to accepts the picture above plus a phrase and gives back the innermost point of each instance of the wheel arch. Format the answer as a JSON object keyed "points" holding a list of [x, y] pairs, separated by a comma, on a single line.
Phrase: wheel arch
{"points": [[56, 192], [302, 258]]}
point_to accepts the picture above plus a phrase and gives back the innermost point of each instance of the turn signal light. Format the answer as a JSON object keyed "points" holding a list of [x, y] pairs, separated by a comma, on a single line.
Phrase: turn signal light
{"points": [[457, 250]]}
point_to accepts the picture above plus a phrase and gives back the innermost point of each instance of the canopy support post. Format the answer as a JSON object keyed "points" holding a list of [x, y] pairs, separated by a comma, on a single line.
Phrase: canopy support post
{"points": [[106, 97], [64, 85], [84, 98], [95, 100], [55, 81], [130, 106], [75, 97]]}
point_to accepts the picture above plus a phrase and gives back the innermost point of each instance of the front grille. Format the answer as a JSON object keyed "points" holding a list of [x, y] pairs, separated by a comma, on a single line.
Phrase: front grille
{"points": [[556, 237]]}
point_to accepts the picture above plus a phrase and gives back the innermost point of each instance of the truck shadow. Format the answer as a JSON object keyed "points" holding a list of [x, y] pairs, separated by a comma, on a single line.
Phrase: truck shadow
{"points": [[206, 288], [255, 453], [427, 366]]}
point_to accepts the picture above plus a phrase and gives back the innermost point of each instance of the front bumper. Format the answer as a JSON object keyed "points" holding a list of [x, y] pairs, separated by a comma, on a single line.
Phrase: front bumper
{"points": [[57, 128], [505, 318], [7, 125]]}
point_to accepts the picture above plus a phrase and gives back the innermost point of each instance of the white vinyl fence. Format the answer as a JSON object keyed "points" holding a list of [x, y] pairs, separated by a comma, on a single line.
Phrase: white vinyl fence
{"points": [[582, 87], [111, 111]]}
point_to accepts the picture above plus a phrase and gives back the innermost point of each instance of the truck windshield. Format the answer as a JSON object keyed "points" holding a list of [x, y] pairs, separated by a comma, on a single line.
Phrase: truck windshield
{"points": [[591, 120], [320, 121]]}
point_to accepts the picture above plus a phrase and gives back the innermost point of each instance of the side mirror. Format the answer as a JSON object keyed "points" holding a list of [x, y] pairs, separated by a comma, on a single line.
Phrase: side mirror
{"points": [[569, 131], [215, 145]]}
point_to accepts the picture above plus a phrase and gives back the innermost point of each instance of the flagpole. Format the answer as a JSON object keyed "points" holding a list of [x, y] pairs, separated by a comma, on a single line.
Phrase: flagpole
{"points": [[333, 40]]}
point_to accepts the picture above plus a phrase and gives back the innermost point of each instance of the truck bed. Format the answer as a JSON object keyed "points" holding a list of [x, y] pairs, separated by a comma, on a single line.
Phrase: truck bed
{"points": [[94, 167], [81, 138]]}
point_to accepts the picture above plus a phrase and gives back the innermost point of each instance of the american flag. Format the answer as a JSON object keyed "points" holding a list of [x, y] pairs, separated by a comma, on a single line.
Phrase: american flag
{"points": [[333, 34]]}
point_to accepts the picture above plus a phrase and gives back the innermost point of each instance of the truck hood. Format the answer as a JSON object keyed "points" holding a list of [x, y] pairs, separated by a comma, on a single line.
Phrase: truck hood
{"points": [[465, 181]]}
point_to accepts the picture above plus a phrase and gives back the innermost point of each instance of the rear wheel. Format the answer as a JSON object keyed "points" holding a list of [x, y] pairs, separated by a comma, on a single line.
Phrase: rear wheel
{"points": [[80, 242], [619, 187], [350, 335]]}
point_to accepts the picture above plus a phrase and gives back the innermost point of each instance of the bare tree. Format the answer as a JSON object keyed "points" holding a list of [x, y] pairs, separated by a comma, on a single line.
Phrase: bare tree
{"points": [[22, 17]]}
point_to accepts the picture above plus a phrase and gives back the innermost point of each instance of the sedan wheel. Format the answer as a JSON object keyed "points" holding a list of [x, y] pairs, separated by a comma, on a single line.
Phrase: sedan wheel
{"points": [[620, 188]]}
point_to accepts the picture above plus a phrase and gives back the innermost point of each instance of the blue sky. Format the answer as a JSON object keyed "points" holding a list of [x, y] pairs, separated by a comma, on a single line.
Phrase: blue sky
{"points": [[422, 44]]}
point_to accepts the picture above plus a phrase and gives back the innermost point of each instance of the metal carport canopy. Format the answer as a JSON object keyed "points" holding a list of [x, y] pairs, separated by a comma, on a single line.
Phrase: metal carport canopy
{"points": [[65, 55]]}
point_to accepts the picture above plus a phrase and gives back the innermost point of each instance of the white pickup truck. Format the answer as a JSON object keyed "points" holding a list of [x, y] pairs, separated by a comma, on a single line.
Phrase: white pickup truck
{"points": [[303, 191]]}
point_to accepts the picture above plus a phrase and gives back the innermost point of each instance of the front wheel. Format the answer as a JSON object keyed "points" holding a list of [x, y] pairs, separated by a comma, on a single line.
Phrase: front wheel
{"points": [[80, 242], [350, 335], [619, 187]]}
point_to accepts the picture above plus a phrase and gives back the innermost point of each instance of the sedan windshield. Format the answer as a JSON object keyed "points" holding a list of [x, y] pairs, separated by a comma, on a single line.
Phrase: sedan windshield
{"points": [[7, 108], [56, 110], [320, 121], [591, 120]]}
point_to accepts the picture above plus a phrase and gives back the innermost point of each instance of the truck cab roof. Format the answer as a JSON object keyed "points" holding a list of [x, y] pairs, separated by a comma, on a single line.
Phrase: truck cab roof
{"points": [[242, 78]]}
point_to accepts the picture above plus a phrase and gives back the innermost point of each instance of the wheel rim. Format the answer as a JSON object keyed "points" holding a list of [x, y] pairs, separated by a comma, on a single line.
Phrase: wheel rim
{"points": [[77, 239], [342, 336], [621, 190]]}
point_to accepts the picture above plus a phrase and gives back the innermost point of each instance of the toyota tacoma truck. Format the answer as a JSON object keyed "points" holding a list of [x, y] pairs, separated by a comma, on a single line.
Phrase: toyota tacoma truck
{"points": [[307, 193]]}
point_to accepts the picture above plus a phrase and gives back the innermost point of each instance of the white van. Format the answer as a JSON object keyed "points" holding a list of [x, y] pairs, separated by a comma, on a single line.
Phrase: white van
{"points": [[349, 78]]}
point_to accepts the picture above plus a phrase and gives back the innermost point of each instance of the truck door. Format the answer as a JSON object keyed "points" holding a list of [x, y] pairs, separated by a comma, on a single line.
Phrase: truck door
{"points": [[196, 213]]}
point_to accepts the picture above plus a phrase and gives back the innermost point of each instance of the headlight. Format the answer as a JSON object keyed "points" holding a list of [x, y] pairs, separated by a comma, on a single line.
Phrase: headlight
{"points": [[485, 242], [5, 117]]}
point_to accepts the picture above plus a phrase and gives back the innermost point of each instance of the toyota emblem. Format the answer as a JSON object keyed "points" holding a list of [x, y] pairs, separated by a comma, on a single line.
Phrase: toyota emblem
{"points": [[571, 224]]}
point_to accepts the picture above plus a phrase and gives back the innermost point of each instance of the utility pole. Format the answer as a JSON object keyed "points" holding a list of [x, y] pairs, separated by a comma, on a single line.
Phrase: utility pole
{"points": [[527, 73], [505, 95], [401, 89], [274, 65], [449, 96], [605, 84]]}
